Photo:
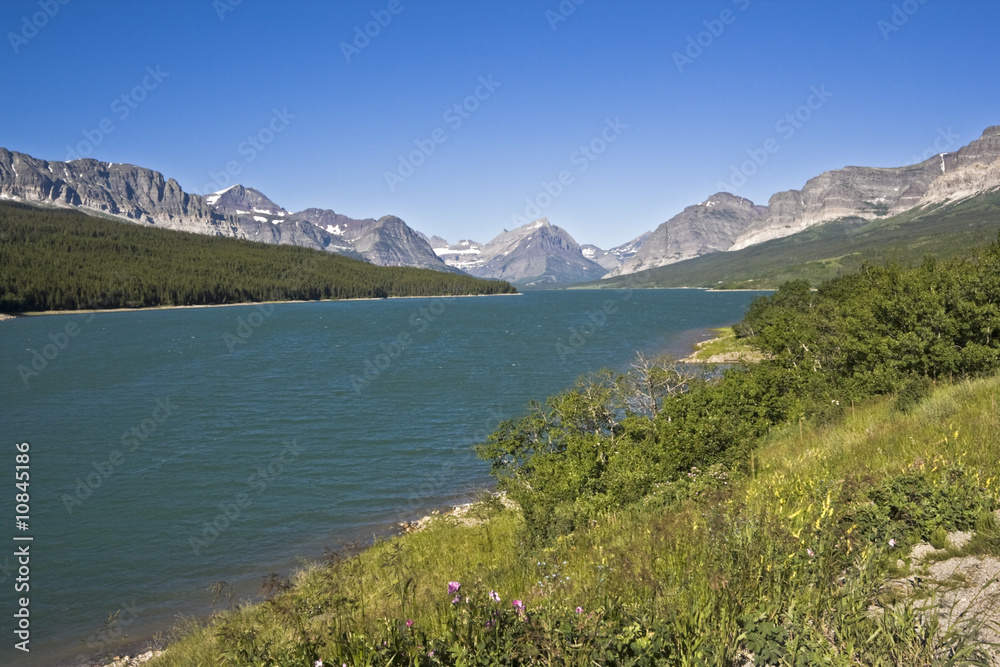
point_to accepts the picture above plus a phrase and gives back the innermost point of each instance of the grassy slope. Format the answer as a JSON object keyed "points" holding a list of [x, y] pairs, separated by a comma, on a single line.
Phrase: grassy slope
{"points": [[728, 548], [833, 249]]}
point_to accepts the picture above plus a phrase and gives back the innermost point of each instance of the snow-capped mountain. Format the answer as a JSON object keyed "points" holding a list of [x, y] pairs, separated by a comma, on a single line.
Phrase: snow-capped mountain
{"points": [[537, 254]]}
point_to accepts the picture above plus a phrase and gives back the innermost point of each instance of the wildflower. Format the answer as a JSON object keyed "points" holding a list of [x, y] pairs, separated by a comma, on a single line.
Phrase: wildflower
{"points": [[519, 606], [318, 663], [494, 596], [892, 542], [453, 587], [456, 600], [579, 610], [409, 622], [810, 552]]}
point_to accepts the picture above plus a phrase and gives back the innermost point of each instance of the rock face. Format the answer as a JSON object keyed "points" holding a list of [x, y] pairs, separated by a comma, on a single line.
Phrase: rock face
{"points": [[390, 242], [869, 193], [726, 222], [143, 196], [710, 226], [120, 190], [537, 254], [862, 192], [614, 258]]}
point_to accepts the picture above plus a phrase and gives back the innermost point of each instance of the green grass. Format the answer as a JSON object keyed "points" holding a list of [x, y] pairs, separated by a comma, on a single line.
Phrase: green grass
{"points": [[781, 562], [833, 249], [723, 347]]}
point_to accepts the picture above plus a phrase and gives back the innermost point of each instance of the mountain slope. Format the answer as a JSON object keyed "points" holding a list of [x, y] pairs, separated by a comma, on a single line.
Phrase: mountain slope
{"points": [[125, 191], [865, 193], [710, 226], [143, 196], [831, 249], [537, 254], [462, 255], [615, 257]]}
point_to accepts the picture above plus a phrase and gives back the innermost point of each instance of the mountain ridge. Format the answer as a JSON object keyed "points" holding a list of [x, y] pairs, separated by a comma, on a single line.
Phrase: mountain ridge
{"points": [[868, 193], [724, 222], [144, 196]]}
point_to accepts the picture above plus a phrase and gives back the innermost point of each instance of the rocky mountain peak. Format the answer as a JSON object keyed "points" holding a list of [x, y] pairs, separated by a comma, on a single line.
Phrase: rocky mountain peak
{"points": [[535, 254], [240, 200], [711, 226]]}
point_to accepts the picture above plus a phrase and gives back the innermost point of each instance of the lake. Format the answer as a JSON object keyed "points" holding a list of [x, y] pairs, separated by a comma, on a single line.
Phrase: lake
{"points": [[172, 449]]}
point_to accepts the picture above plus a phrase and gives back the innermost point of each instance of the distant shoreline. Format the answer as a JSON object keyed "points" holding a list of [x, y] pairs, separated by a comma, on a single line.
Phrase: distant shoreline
{"points": [[37, 313]]}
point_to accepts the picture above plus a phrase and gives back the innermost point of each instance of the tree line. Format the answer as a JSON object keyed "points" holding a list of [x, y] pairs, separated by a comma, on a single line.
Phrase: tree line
{"points": [[66, 260]]}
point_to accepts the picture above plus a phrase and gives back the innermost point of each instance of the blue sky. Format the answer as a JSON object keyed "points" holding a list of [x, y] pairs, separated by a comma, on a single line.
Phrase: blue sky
{"points": [[638, 108]]}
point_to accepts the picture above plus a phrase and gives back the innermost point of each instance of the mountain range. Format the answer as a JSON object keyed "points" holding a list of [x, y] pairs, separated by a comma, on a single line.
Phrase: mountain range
{"points": [[725, 222], [537, 254]]}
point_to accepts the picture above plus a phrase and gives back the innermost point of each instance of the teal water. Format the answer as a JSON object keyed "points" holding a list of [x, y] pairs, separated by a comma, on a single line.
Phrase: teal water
{"points": [[173, 449]]}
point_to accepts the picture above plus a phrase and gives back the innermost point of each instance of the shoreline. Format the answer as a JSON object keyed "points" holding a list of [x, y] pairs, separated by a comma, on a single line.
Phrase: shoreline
{"points": [[136, 651], [82, 311], [726, 356]]}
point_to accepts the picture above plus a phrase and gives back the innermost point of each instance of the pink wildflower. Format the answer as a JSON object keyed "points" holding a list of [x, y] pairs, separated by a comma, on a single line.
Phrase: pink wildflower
{"points": [[494, 596], [409, 623], [892, 542], [810, 552], [579, 610], [453, 587]]}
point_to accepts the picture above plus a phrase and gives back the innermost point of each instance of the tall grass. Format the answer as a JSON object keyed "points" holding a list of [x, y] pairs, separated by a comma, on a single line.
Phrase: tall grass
{"points": [[784, 565]]}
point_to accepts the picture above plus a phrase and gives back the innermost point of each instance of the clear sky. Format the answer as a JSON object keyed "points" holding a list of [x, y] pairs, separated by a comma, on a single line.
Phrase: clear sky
{"points": [[643, 108]]}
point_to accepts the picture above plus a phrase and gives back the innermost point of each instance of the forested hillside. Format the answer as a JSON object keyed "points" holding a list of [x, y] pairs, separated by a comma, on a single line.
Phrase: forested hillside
{"points": [[65, 260]]}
